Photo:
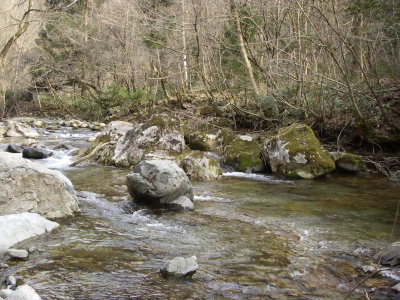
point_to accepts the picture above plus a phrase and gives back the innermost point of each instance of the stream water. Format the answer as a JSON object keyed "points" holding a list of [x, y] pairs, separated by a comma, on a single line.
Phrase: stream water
{"points": [[255, 236]]}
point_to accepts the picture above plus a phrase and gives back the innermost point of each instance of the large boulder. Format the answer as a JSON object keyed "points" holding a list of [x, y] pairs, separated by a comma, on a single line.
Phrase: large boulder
{"points": [[159, 138], [199, 166], [160, 182], [296, 152], [28, 186], [244, 155], [348, 162], [19, 227], [113, 134], [16, 129]]}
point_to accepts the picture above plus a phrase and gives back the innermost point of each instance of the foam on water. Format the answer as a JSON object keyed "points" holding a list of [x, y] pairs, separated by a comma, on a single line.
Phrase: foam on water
{"points": [[60, 160], [260, 177]]}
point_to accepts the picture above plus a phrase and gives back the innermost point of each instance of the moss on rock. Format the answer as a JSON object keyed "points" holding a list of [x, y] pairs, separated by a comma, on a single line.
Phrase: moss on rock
{"points": [[244, 156], [295, 152], [348, 162]]}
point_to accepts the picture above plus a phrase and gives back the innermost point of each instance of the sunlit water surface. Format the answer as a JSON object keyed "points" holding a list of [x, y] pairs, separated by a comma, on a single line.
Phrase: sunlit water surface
{"points": [[255, 236]]}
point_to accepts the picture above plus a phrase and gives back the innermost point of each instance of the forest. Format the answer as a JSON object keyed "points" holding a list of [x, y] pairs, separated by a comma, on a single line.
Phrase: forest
{"points": [[260, 64]]}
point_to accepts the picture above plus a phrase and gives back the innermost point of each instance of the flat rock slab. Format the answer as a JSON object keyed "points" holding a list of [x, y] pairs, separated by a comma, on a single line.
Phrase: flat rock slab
{"points": [[19, 227]]}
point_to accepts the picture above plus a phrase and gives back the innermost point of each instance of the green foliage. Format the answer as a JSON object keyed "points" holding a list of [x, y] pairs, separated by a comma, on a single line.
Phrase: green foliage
{"points": [[119, 99]]}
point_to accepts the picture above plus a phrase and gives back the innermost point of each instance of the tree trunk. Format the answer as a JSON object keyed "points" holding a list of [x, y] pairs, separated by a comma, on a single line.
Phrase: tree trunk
{"points": [[242, 48]]}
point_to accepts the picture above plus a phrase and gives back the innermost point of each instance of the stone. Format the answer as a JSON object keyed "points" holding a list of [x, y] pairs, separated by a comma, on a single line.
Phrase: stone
{"points": [[35, 153], [199, 166], [28, 186], [11, 281], [159, 138], [203, 141], [396, 288], [182, 203], [348, 162], [39, 124], [295, 152], [389, 256], [15, 129], [20, 227], [15, 148], [3, 129], [17, 253], [243, 156], [158, 182], [180, 267], [24, 292], [395, 176], [4, 293], [29, 142]]}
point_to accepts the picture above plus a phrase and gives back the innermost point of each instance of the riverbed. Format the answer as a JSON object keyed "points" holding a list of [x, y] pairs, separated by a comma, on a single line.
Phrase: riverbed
{"points": [[255, 236]]}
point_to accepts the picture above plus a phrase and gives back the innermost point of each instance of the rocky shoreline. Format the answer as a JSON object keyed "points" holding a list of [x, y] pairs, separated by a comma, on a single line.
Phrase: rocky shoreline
{"points": [[292, 152]]}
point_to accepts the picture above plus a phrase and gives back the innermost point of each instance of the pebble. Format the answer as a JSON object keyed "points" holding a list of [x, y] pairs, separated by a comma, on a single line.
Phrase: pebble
{"points": [[17, 253]]}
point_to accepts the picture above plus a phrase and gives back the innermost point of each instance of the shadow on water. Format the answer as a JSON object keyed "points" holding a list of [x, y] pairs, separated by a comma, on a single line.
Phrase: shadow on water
{"points": [[255, 237]]}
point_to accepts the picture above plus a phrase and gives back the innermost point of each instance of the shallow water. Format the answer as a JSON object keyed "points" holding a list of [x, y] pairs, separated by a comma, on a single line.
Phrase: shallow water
{"points": [[255, 236]]}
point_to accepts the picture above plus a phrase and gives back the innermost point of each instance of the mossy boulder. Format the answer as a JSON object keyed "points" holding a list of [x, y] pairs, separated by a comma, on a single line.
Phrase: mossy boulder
{"points": [[243, 155], [348, 162], [295, 152], [199, 166]]}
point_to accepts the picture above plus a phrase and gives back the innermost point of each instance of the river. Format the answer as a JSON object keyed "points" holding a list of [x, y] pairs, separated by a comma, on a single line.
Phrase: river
{"points": [[256, 236]]}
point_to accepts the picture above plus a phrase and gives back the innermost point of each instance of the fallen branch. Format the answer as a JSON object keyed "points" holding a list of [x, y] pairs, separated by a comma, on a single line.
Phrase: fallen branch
{"points": [[90, 155]]}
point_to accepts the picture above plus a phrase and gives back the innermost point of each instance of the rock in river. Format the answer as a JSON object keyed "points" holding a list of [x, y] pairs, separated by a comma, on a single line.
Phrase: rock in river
{"points": [[36, 153], [180, 267], [28, 186], [160, 182], [18, 227], [296, 152]]}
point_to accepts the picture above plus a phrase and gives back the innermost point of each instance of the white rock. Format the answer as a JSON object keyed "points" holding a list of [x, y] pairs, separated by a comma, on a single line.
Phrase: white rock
{"points": [[180, 267], [19, 227], [24, 292], [4, 293], [28, 186], [17, 253], [396, 287]]}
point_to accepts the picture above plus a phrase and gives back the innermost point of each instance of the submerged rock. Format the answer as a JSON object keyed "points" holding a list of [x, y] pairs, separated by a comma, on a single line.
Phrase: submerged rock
{"points": [[295, 152], [180, 267], [19, 227], [28, 186], [160, 182], [348, 162]]}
